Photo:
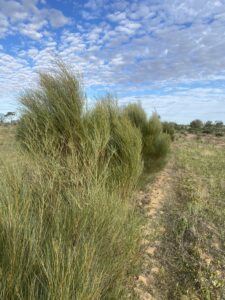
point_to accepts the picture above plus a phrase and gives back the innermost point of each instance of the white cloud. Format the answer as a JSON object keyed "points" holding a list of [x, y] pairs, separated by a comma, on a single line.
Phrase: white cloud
{"points": [[33, 34], [117, 60], [25, 17], [57, 19], [3, 25], [116, 17]]}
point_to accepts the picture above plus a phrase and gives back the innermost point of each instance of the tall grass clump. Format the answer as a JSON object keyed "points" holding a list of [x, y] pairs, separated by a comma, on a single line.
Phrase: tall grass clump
{"points": [[55, 122], [156, 143], [169, 128], [61, 240], [68, 229], [52, 113], [137, 116], [119, 144], [156, 137]]}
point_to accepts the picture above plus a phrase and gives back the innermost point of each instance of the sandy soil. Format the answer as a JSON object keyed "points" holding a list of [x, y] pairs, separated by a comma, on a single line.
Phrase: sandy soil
{"points": [[152, 202]]}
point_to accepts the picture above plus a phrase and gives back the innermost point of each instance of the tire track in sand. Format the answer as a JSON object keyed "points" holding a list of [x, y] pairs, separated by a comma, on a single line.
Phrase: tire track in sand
{"points": [[151, 201]]}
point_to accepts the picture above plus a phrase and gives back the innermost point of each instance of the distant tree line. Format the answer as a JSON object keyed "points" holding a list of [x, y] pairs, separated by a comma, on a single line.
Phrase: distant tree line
{"points": [[198, 127], [7, 118]]}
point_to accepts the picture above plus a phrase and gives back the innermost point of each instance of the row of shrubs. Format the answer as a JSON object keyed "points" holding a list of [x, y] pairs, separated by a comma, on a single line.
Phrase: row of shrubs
{"points": [[68, 227], [196, 126]]}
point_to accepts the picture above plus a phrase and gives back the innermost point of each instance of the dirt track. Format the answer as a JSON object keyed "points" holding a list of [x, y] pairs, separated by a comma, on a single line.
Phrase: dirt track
{"points": [[152, 201]]}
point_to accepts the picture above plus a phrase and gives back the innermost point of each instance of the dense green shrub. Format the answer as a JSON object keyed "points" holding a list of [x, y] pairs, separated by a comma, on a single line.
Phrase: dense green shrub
{"points": [[156, 136], [137, 116], [169, 128], [196, 124], [116, 143], [156, 143]]}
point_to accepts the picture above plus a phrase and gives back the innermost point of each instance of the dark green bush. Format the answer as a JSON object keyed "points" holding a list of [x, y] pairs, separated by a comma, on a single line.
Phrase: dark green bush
{"points": [[218, 134], [207, 130], [196, 124], [218, 124], [208, 124]]}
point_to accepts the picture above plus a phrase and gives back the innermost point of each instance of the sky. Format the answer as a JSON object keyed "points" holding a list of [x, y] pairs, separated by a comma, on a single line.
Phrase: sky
{"points": [[166, 54]]}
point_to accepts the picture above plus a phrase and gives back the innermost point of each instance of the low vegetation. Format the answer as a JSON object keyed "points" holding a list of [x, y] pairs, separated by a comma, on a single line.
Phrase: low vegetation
{"points": [[200, 226], [192, 245], [68, 226]]}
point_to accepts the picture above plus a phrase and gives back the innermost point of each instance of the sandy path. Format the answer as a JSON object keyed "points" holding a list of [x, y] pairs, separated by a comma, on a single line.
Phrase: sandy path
{"points": [[152, 202]]}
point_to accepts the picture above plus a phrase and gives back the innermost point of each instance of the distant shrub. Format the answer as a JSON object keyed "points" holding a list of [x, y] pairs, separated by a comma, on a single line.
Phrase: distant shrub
{"points": [[208, 124], [194, 130], [137, 116], [169, 128], [219, 134], [158, 146], [218, 124], [154, 125], [207, 130], [156, 143], [196, 124]]}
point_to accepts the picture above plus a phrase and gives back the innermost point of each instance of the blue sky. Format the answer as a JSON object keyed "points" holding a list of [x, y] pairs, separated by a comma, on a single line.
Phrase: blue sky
{"points": [[166, 54]]}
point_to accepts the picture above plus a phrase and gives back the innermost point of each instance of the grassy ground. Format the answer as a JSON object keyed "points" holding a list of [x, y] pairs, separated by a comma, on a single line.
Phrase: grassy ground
{"points": [[192, 251], [183, 236], [202, 187]]}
